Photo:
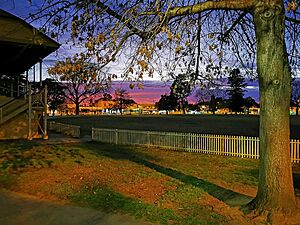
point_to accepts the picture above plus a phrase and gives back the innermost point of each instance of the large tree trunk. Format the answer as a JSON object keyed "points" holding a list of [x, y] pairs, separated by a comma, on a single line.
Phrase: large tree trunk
{"points": [[275, 194], [121, 106], [77, 105], [182, 106]]}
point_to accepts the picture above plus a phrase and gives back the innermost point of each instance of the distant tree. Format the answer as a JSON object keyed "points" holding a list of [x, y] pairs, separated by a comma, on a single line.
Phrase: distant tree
{"points": [[181, 89], [296, 95], [107, 97], [122, 99], [80, 79], [193, 107], [236, 90], [213, 104], [167, 102], [221, 103], [205, 91], [56, 94], [249, 102]]}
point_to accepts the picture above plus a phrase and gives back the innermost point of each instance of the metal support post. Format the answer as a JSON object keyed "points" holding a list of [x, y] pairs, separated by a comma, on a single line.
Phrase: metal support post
{"points": [[33, 74], [41, 73], [27, 83], [45, 113], [29, 114]]}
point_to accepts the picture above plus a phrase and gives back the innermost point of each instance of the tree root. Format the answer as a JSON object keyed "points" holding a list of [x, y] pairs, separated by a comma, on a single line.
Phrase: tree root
{"points": [[272, 215]]}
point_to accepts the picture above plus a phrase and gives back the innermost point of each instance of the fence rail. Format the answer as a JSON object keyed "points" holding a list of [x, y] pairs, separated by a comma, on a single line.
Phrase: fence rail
{"points": [[66, 129], [240, 146]]}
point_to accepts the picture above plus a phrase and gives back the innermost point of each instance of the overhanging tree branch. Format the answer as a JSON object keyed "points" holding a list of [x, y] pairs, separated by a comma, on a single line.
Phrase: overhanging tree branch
{"points": [[236, 22], [293, 20], [245, 5]]}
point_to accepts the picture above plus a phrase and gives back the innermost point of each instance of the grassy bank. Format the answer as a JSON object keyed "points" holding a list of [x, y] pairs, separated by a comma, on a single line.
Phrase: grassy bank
{"points": [[163, 187]]}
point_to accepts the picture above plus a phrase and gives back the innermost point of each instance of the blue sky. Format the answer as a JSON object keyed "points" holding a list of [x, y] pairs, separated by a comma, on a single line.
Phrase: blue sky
{"points": [[19, 8], [22, 8]]}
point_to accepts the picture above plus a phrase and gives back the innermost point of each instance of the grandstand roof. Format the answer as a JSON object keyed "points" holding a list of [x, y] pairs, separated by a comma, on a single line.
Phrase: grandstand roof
{"points": [[21, 45]]}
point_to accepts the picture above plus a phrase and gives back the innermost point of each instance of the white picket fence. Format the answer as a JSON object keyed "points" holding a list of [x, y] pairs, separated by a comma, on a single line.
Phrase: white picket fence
{"points": [[239, 146], [66, 129]]}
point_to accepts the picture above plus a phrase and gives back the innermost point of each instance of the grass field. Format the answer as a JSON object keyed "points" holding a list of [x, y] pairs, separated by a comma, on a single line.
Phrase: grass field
{"points": [[207, 124], [162, 187]]}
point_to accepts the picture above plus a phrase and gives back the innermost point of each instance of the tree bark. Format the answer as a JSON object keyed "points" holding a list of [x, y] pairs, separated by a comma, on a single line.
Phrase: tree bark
{"points": [[182, 106], [275, 190], [77, 105], [121, 106]]}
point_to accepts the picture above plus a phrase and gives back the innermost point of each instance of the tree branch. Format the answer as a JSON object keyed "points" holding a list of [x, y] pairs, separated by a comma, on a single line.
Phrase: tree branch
{"points": [[123, 19], [293, 20], [236, 22], [245, 5]]}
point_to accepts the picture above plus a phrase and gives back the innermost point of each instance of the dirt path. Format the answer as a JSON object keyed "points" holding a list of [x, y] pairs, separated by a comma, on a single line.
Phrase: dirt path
{"points": [[17, 209]]}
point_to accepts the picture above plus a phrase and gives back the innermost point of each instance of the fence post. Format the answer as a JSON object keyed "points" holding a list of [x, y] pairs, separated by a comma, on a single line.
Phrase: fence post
{"points": [[117, 136], [148, 138]]}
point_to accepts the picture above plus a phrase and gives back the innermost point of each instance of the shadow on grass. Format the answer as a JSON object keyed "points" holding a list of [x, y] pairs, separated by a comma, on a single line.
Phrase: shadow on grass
{"points": [[296, 179], [19, 155], [119, 152], [113, 202]]}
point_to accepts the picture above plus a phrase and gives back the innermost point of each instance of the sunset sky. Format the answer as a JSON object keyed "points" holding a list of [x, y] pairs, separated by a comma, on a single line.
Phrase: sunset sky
{"points": [[152, 88]]}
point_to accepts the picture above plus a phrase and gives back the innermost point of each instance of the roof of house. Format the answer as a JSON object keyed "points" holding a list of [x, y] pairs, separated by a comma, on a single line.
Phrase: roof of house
{"points": [[21, 45]]}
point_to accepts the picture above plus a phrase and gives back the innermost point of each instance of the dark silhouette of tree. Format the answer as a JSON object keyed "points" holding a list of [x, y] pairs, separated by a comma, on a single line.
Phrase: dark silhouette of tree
{"points": [[167, 102], [122, 99], [181, 88], [208, 89], [249, 102], [236, 91], [56, 94], [107, 97], [213, 104], [194, 107], [80, 79]]}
